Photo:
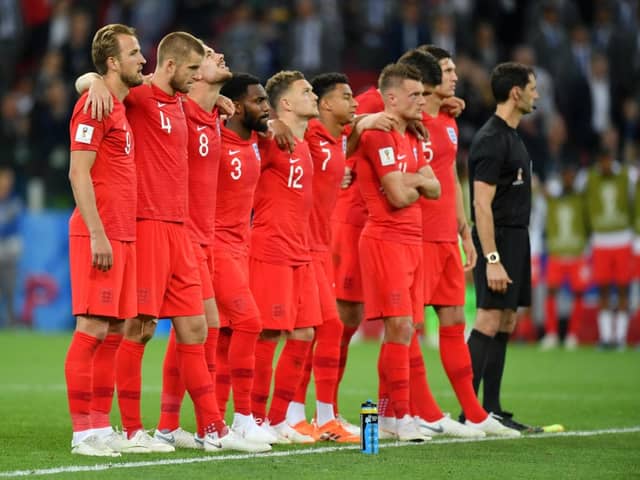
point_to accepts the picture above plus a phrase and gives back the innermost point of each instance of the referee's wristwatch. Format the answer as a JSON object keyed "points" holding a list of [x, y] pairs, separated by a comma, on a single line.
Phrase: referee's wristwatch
{"points": [[492, 257]]}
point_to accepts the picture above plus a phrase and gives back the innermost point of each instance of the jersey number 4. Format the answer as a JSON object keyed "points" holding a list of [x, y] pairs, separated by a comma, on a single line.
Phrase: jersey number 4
{"points": [[165, 122]]}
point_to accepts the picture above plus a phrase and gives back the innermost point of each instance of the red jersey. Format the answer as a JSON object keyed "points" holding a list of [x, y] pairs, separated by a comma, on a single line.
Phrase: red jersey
{"points": [[113, 173], [328, 154], [350, 207], [381, 153], [439, 220], [282, 205], [239, 173], [204, 162], [159, 124]]}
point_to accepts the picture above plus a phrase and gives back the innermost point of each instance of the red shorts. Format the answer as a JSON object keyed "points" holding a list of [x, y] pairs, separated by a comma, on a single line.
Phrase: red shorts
{"points": [[346, 261], [572, 269], [443, 274], [324, 274], [168, 273], [393, 279], [204, 257], [287, 297], [105, 294], [236, 304], [611, 265]]}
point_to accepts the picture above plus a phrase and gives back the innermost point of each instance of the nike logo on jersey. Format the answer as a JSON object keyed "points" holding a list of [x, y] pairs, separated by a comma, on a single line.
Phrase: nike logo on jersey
{"points": [[294, 160], [401, 157], [234, 152], [160, 105], [201, 127], [323, 143]]}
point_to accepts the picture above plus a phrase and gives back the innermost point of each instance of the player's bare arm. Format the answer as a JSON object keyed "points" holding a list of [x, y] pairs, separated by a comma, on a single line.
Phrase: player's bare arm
{"points": [[84, 195], [431, 188], [401, 188], [99, 98], [497, 277], [418, 129], [225, 106], [373, 121], [471, 256], [347, 178], [282, 134], [454, 106]]}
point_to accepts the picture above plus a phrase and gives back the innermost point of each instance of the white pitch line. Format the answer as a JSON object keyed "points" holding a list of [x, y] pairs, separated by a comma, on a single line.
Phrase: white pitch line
{"points": [[290, 453]]}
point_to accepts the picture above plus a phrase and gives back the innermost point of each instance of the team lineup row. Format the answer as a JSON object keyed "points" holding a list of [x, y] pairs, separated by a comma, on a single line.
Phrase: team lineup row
{"points": [[191, 204]]}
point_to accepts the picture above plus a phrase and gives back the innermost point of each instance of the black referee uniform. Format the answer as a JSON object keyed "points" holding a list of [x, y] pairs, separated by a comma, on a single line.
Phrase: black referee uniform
{"points": [[498, 157]]}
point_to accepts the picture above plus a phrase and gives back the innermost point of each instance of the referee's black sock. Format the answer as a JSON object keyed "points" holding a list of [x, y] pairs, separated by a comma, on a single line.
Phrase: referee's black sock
{"points": [[494, 368], [478, 344]]}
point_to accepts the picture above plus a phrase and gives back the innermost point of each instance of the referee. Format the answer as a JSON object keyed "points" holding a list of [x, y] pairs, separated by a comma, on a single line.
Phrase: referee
{"points": [[500, 186]]}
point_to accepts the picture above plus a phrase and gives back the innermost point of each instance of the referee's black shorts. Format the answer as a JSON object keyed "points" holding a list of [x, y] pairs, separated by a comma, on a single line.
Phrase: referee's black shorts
{"points": [[515, 255]]}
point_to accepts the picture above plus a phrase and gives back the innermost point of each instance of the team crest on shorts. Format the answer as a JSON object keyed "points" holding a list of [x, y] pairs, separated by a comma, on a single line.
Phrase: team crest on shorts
{"points": [[452, 135]]}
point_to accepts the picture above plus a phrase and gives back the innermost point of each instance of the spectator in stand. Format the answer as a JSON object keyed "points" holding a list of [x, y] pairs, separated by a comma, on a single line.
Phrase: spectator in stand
{"points": [[11, 39], [10, 244], [50, 140], [485, 49], [77, 57], [409, 30], [549, 39]]}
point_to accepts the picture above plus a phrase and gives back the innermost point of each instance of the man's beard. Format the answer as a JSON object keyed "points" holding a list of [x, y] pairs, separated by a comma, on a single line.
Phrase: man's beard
{"points": [[132, 80]]}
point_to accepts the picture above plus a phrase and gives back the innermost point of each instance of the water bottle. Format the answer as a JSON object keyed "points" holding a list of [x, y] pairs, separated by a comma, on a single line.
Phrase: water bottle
{"points": [[369, 428]]}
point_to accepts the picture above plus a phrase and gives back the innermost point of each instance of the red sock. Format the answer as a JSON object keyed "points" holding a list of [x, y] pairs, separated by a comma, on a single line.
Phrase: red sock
{"points": [[242, 361], [305, 378], [383, 391], [197, 380], [129, 384], [211, 351], [394, 360], [551, 323], [577, 314], [456, 360], [287, 378], [104, 379], [78, 372], [422, 402], [223, 375], [347, 334], [172, 388], [265, 350], [326, 359]]}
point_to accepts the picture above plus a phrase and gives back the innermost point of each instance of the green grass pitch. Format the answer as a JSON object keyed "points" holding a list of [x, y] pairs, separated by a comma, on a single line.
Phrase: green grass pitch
{"points": [[596, 395]]}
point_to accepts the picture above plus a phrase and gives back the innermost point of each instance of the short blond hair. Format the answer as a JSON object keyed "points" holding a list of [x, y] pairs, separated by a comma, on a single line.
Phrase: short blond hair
{"points": [[278, 85], [105, 44], [178, 45]]}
